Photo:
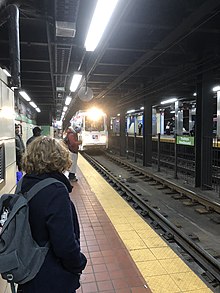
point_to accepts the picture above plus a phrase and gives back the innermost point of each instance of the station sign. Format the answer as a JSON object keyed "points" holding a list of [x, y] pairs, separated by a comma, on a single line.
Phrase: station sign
{"points": [[185, 140]]}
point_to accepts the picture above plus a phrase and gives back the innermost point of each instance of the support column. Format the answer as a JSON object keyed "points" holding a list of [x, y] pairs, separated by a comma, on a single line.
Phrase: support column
{"points": [[178, 119], [204, 132], [147, 135], [161, 123], [122, 134], [218, 115]]}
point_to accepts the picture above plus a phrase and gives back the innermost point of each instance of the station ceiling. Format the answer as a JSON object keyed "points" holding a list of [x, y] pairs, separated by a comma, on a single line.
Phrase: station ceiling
{"points": [[151, 49]]}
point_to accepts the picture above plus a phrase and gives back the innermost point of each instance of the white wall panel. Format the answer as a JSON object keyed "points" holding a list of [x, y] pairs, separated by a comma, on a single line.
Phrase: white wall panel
{"points": [[3, 76], [7, 134], [0, 94], [7, 113], [9, 152], [6, 97], [10, 178], [7, 124]]}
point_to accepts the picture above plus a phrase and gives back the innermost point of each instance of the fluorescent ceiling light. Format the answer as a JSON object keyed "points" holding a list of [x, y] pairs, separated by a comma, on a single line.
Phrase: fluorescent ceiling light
{"points": [[65, 109], [169, 101], [77, 76], [25, 96], [6, 72], [38, 110], [100, 19], [130, 111], [216, 88], [141, 108], [33, 105], [68, 100]]}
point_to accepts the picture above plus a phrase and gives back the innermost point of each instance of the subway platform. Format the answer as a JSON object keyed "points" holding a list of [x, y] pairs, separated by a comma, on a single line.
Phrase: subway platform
{"points": [[124, 253]]}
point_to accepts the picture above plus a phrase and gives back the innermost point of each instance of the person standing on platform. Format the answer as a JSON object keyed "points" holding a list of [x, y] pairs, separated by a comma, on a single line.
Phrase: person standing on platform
{"points": [[139, 128], [168, 128], [53, 218], [19, 145], [73, 145], [36, 132]]}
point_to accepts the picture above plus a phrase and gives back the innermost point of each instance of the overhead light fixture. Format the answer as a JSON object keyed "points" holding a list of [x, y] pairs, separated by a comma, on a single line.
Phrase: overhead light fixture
{"points": [[68, 100], [38, 110], [216, 88], [7, 73], [33, 105], [194, 94], [100, 19], [25, 96], [130, 111], [169, 101], [65, 109], [77, 76], [141, 108]]}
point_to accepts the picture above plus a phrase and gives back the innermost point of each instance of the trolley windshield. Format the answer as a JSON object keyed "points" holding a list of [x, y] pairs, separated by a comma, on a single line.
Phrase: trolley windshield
{"points": [[94, 125]]}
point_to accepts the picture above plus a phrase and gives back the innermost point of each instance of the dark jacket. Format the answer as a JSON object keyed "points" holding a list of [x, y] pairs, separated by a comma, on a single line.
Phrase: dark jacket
{"points": [[30, 139], [53, 218], [19, 147]]}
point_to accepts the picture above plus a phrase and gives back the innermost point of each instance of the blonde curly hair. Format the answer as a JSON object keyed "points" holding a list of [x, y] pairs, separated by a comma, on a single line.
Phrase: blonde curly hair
{"points": [[46, 155]]}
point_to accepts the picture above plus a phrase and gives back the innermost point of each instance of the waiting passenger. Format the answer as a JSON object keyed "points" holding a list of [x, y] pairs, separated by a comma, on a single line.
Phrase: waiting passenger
{"points": [[73, 145], [36, 132], [139, 128], [168, 126], [192, 131], [53, 219], [19, 146]]}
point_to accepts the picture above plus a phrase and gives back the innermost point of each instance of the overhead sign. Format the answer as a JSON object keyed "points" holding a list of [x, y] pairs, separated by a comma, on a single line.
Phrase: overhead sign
{"points": [[185, 140]]}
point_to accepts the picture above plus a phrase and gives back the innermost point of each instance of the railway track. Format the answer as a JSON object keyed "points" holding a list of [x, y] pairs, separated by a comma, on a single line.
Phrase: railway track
{"points": [[210, 266], [181, 191], [184, 166]]}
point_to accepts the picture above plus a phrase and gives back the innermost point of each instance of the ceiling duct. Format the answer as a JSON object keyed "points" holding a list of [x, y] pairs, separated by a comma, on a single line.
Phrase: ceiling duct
{"points": [[65, 29], [11, 14]]}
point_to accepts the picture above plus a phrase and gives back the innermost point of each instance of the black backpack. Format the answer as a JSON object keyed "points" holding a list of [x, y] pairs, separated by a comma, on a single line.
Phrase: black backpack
{"points": [[20, 256]]}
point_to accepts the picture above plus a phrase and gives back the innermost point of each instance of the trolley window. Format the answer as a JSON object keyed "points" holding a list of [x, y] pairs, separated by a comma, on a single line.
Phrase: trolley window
{"points": [[94, 125]]}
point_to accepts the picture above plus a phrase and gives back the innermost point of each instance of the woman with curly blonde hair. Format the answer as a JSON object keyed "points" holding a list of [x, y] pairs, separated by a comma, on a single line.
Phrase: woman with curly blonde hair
{"points": [[46, 155], [53, 218]]}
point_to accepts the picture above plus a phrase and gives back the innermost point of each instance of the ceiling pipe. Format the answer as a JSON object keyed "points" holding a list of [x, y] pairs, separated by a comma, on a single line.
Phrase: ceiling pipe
{"points": [[11, 15], [51, 60]]}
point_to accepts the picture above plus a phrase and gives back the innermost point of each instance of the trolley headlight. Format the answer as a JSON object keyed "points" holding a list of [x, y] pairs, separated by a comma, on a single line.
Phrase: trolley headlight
{"points": [[103, 139]]}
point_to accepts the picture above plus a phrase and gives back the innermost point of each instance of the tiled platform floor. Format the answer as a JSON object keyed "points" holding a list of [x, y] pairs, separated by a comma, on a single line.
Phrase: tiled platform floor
{"points": [[114, 251], [110, 267]]}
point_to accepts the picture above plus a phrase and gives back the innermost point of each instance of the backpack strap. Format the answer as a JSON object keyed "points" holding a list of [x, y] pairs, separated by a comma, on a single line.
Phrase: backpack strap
{"points": [[19, 184], [40, 185]]}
